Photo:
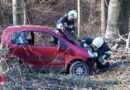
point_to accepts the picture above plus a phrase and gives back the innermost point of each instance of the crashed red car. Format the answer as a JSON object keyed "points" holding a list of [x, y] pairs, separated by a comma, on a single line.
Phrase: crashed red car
{"points": [[32, 45]]}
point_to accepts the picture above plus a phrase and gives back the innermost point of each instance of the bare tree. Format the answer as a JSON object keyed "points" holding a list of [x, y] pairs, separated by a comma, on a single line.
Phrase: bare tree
{"points": [[24, 12], [115, 20], [19, 17], [78, 6], [103, 18]]}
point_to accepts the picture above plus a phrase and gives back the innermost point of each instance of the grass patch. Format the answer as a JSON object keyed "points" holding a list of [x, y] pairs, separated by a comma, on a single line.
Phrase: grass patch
{"points": [[21, 78]]}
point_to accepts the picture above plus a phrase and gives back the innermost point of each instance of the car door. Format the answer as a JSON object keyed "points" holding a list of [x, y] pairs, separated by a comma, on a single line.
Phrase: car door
{"points": [[43, 55], [16, 44]]}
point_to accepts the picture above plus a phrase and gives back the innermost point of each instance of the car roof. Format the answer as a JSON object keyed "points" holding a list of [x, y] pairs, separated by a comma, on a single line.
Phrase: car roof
{"points": [[27, 28], [31, 28]]}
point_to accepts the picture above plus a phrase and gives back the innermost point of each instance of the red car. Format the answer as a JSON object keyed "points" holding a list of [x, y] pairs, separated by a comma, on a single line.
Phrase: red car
{"points": [[33, 46]]}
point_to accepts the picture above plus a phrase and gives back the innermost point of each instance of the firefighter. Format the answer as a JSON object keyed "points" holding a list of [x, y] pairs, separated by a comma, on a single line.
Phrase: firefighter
{"points": [[65, 26], [101, 51]]}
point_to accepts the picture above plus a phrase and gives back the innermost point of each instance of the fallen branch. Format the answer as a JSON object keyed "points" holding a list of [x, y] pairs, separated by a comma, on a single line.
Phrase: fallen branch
{"points": [[121, 36], [126, 40]]}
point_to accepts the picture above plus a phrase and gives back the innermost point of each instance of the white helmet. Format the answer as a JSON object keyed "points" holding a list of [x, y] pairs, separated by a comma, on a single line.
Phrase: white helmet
{"points": [[98, 42], [73, 13]]}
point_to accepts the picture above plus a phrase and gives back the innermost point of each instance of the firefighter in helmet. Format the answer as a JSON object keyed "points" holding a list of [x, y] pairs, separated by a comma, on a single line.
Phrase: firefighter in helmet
{"points": [[101, 51], [65, 26]]}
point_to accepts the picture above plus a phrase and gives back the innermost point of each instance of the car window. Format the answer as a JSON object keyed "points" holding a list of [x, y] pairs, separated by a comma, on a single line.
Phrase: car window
{"points": [[42, 39], [36, 38], [19, 38]]}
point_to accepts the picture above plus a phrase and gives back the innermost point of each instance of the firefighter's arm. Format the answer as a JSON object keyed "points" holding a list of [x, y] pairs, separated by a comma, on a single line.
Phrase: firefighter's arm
{"points": [[72, 29], [109, 52], [85, 45], [95, 54], [61, 26]]}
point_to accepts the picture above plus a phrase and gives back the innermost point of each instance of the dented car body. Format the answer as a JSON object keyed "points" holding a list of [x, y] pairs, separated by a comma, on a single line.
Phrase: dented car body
{"points": [[32, 45]]}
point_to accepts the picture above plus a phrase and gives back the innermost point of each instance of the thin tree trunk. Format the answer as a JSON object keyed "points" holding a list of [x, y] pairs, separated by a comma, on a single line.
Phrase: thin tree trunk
{"points": [[2, 15], [127, 4], [17, 12], [24, 12], [128, 42], [78, 5], [103, 18]]}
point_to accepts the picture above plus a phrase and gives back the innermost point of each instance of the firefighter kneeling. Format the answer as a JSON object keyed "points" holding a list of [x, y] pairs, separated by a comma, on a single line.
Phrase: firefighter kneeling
{"points": [[101, 51]]}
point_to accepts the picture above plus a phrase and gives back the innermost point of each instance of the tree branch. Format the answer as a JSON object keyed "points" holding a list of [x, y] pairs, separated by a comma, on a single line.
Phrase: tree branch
{"points": [[121, 36], [128, 42]]}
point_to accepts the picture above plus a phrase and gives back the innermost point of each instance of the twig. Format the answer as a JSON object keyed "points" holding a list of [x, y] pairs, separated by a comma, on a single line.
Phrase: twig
{"points": [[121, 36]]}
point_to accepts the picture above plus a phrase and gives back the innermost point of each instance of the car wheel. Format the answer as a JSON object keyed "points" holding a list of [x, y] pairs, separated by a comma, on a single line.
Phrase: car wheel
{"points": [[79, 68]]}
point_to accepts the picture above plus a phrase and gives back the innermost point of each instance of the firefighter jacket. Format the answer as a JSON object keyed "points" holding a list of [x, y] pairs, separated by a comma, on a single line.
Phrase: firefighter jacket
{"points": [[103, 50], [64, 22]]}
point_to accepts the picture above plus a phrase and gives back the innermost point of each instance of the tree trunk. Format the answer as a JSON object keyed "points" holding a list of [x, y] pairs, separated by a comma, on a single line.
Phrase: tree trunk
{"points": [[127, 14], [103, 18], [115, 20], [18, 13], [24, 13], [78, 6], [2, 16]]}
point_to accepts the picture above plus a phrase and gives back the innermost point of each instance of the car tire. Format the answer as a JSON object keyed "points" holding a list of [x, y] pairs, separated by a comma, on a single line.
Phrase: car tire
{"points": [[79, 68]]}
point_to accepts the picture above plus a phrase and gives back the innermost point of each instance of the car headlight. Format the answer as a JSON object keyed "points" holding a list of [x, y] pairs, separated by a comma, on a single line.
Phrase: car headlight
{"points": [[91, 53]]}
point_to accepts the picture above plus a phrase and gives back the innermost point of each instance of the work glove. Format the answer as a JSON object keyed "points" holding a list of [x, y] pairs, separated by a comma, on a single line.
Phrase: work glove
{"points": [[63, 29], [95, 54], [87, 47]]}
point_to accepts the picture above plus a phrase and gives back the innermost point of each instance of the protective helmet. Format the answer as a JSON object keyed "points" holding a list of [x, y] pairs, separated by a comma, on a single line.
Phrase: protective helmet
{"points": [[98, 42], [73, 13]]}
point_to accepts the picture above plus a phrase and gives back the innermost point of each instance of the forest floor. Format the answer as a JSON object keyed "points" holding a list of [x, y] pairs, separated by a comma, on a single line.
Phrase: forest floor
{"points": [[117, 78]]}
